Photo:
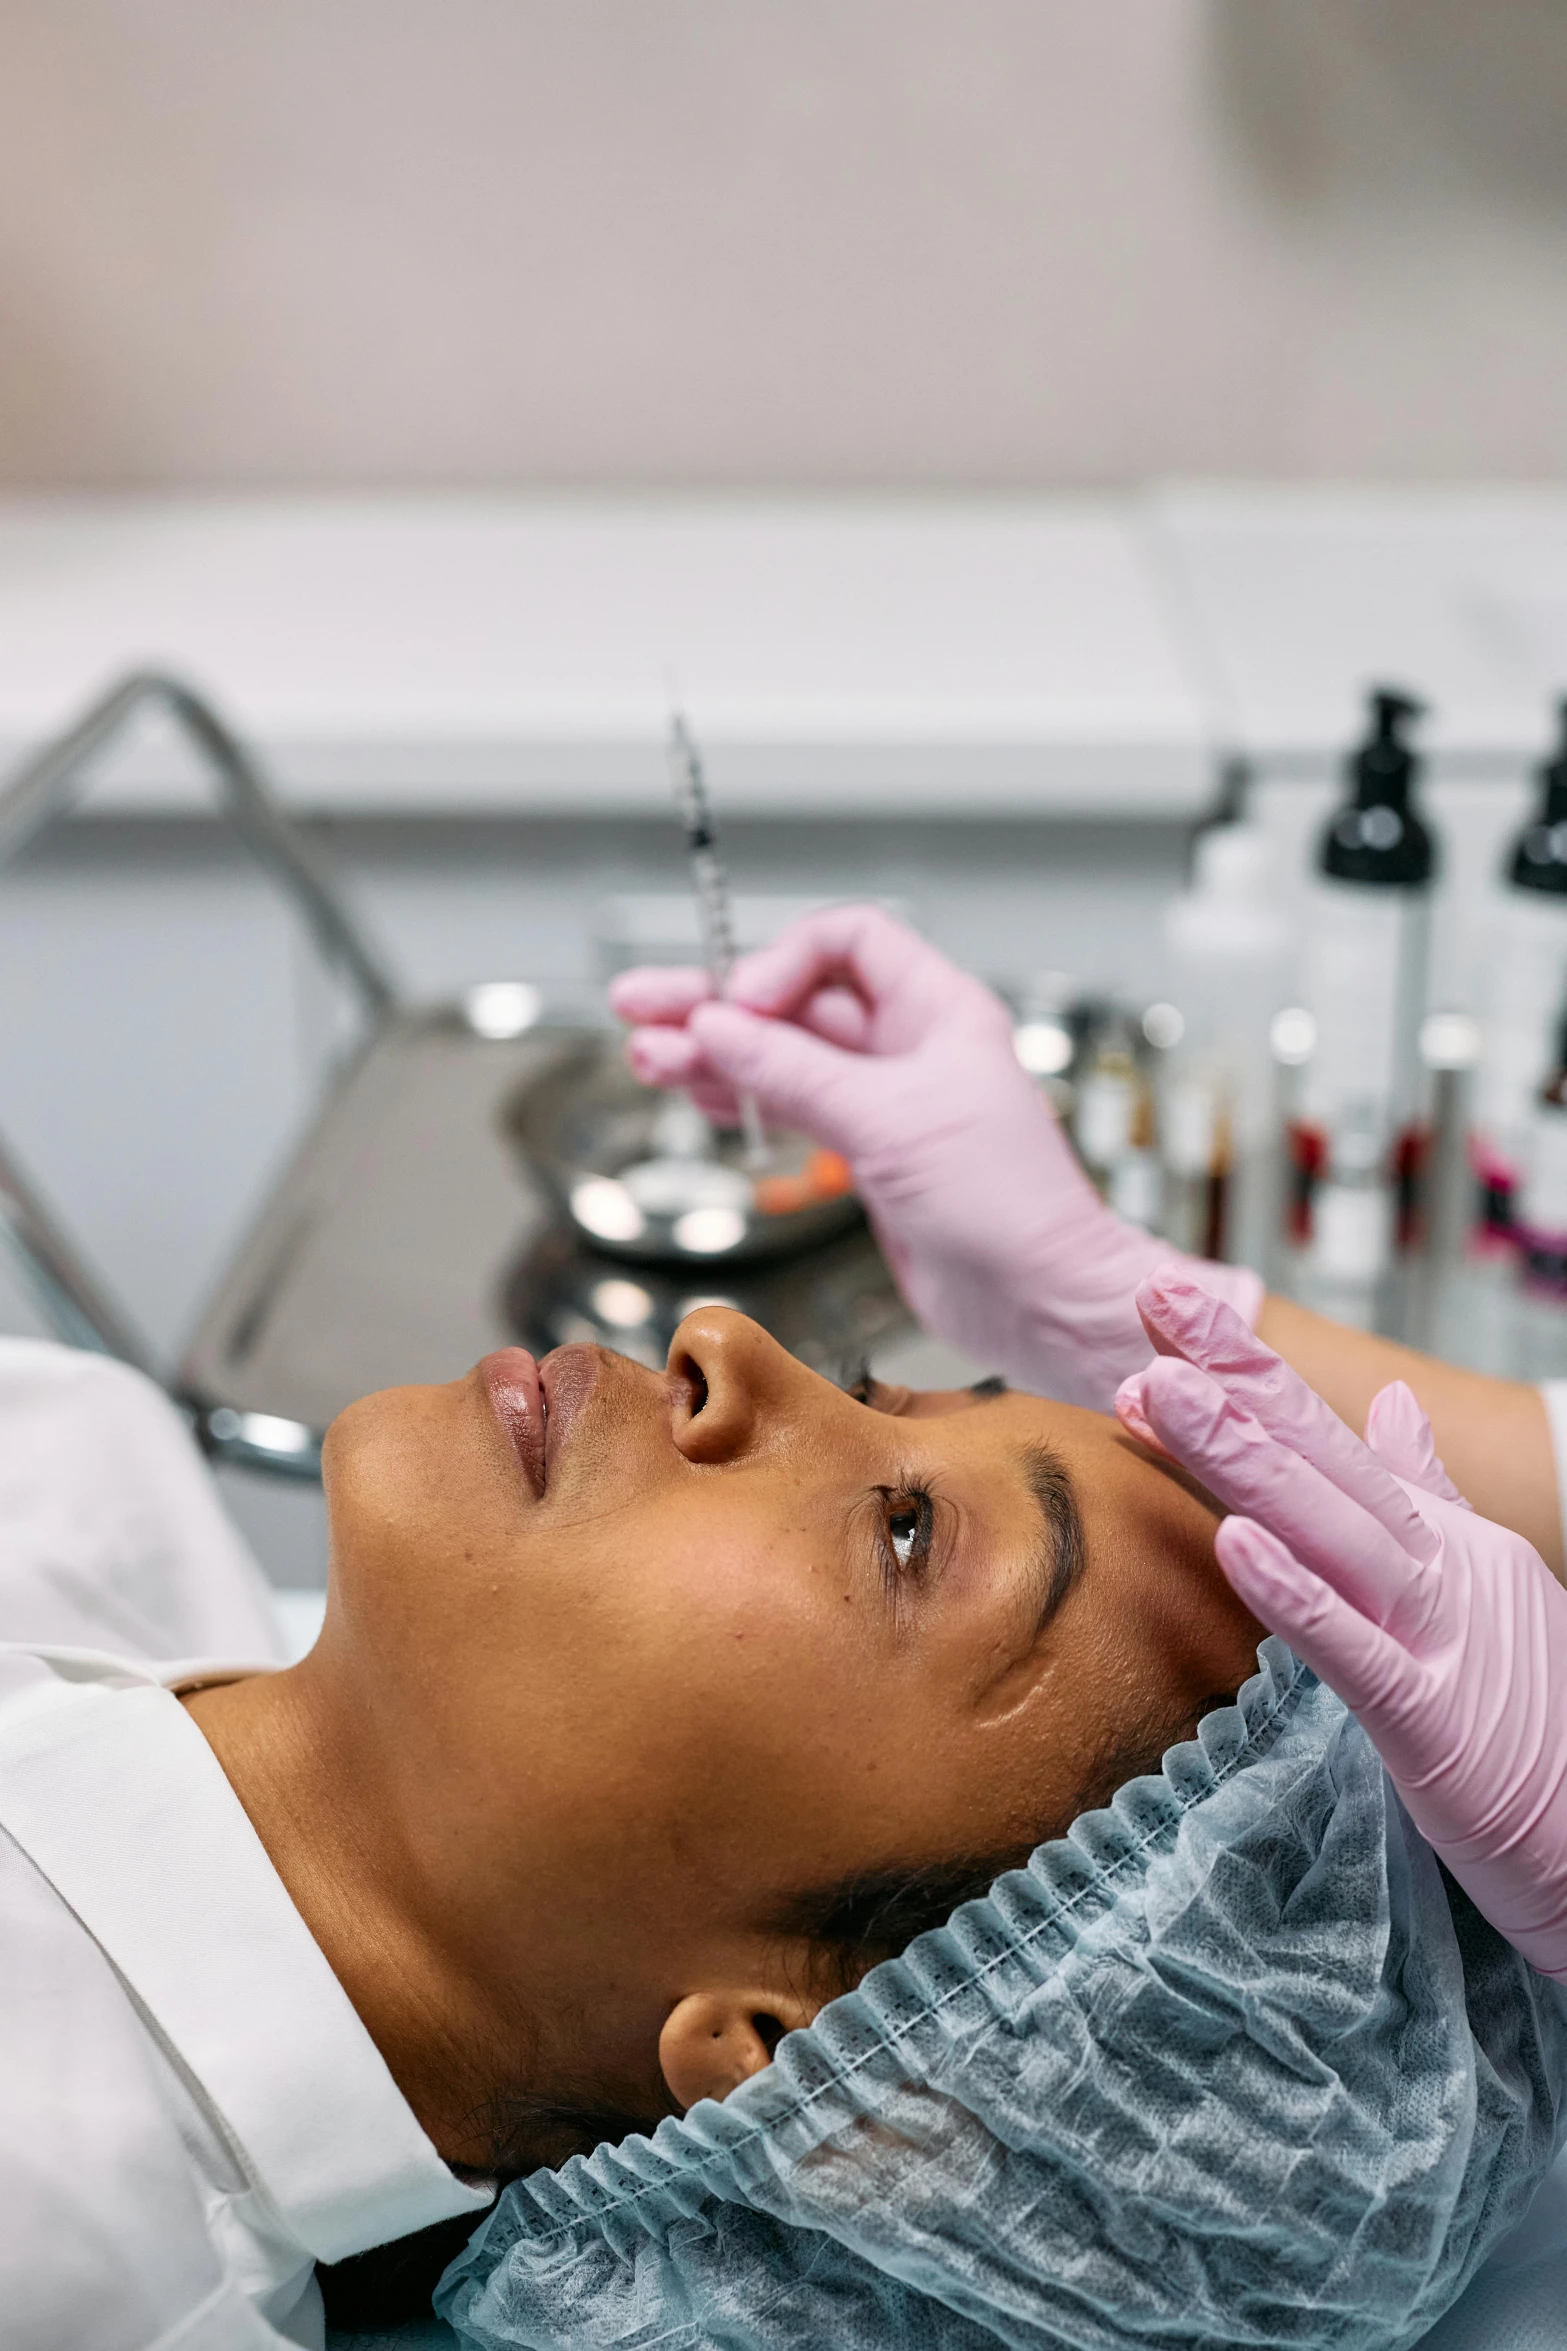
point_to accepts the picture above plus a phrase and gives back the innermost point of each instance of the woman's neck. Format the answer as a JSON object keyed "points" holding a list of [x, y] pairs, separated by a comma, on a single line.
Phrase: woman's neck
{"points": [[315, 1803]]}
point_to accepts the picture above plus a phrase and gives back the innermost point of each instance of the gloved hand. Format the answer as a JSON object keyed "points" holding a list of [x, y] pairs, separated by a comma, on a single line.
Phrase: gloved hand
{"points": [[1446, 1635], [853, 1030]]}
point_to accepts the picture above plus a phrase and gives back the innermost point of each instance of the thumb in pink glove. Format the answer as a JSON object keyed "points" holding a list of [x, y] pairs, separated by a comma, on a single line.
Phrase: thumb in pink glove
{"points": [[853, 1030], [1445, 1634]]}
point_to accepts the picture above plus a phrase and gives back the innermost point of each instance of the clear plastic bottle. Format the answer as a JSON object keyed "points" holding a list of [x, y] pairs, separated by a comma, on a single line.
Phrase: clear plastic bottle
{"points": [[1356, 1144], [1196, 1149], [1228, 949], [1540, 1221], [1113, 1123], [1526, 977]]}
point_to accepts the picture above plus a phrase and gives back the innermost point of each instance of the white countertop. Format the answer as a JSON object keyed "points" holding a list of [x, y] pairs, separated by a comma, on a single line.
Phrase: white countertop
{"points": [[474, 654], [837, 657], [1300, 598]]}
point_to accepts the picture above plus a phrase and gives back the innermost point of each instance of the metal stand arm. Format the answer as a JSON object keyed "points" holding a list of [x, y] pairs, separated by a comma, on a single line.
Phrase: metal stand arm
{"points": [[45, 786], [51, 780]]}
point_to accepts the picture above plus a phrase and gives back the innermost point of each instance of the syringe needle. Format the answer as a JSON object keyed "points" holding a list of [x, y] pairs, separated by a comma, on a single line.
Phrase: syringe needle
{"points": [[757, 1152], [712, 897]]}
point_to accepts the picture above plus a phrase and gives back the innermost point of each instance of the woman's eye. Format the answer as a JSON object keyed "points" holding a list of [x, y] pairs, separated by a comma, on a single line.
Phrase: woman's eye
{"points": [[910, 1519], [904, 1528]]}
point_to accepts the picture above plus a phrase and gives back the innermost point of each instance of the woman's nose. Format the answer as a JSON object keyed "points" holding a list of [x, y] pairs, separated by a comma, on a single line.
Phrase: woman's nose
{"points": [[728, 1383]]}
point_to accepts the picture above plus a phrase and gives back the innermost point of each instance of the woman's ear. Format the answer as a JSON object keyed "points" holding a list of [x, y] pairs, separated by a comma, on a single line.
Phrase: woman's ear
{"points": [[714, 2041]]}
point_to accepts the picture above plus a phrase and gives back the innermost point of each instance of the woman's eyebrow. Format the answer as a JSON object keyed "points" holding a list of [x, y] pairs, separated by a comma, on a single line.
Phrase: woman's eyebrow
{"points": [[1063, 1553]]}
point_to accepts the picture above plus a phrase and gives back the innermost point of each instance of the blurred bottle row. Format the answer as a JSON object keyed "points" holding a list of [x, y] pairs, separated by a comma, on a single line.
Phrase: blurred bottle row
{"points": [[1305, 1101]]}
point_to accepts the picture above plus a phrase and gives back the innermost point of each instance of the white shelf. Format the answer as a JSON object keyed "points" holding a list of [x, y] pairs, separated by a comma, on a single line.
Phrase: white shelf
{"points": [[1301, 598], [444, 655]]}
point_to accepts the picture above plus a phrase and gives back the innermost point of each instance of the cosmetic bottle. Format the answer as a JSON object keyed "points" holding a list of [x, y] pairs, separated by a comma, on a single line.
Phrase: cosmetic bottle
{"points": [[1356, 1142], [1540, 1220], [1113, 1125], [1526, 978], [1228, 949]]}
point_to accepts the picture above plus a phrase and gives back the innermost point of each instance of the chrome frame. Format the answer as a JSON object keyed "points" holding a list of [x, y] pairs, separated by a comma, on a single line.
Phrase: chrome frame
{"points": [[46, 785]]}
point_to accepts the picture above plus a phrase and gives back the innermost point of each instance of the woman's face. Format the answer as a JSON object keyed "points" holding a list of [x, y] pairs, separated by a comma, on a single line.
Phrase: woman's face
{"points": [[660, 1652]]}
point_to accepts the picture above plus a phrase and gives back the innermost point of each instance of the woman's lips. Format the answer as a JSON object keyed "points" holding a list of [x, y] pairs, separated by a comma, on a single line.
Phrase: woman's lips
{"points": [[515, 1394], [537, 1404], [568, 1376]]}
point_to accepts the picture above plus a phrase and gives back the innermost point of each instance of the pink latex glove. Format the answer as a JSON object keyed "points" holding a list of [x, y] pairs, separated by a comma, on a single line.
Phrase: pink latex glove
{"points": [[1446, 1635], [854, 1031]]}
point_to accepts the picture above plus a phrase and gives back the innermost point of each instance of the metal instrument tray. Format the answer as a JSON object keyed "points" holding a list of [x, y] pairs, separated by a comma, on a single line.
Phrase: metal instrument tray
{"points": [[409, 1236], [382, 1253]]}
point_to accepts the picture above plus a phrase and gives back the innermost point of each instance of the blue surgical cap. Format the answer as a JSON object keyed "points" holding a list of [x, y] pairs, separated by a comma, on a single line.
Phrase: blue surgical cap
{"points": [[1231, 2064]]}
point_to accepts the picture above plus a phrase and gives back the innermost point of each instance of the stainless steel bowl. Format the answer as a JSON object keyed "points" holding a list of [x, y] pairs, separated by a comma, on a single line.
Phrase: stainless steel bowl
{"points": [[642, 1175]]}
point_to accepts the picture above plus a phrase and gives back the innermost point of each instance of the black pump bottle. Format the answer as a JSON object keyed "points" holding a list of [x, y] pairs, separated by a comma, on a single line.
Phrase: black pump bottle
{"points": [[1539, 860], [1525, 980], [1356, 1144], [1377, 837]]}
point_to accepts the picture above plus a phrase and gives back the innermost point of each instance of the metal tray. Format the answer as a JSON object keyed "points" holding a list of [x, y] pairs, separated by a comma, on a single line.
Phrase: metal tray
{"points": [[409, 1236]]}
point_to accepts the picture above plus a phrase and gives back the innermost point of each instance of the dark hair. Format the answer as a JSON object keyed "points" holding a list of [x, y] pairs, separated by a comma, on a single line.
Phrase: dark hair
{"points": [[854, 1925], [390, 2284]]}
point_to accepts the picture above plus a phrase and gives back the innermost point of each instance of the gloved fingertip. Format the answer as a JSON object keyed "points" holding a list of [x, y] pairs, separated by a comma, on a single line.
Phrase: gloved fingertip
{"points": [[759, 982], [769, 978], [1395, 1417], [656, 992], [1246, 1539], [660, 1057], [1129, 1412], [625, 992], [721, 1014], [1208, 1320], [1174, 1308], [1197, 1423], [1167, 1286], [728, 1035], [1172, 1383], [1263, 1571], [1398, 1431], [1157, 1294]]}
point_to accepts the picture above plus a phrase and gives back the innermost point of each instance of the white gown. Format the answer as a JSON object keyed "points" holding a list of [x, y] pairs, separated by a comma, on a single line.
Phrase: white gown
{"points": [[191, 2113]]}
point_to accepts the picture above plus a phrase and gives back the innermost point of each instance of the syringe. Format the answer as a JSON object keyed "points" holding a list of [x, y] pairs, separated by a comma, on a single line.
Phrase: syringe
{"points": [[712, 897]]}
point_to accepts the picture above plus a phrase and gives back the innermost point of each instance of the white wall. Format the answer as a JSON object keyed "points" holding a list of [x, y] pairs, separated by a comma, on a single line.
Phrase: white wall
{"points": [[780, 241]]}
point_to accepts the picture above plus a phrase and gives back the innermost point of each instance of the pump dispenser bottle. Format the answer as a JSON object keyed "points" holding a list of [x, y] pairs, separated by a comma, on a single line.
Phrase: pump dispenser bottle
{"points": [[1526, 980], [1541, 1223], [1356, 1146]]}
